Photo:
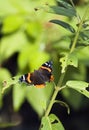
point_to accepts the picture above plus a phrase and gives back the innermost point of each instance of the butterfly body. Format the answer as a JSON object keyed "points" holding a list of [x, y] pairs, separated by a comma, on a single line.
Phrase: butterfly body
{"points": [[39, 77]]}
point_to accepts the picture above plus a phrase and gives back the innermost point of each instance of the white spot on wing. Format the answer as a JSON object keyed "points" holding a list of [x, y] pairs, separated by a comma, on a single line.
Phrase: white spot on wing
{"points": [[23, 78], [46, 64]]}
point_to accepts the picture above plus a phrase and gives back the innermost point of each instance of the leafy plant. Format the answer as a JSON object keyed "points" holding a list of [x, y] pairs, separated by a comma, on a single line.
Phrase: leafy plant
{"points": [[69, 47], [69, 58], [21, 34]]}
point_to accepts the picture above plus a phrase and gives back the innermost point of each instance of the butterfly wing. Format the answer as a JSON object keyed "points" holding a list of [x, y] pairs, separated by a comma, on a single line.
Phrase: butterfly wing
{"points": [[40, 76]]}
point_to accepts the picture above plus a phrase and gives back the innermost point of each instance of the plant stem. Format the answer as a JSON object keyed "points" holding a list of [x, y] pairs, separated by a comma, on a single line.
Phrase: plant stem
{"points": [[51, 102], [79, 28], [57, 89], [59, 85]]}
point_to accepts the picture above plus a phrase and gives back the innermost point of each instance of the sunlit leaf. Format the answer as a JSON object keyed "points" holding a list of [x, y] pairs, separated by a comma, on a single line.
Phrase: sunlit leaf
{"points": [[12, 44], [73, 60], [35, 97], [63, 61], [11, 24], [4, 74], [19, 92], [80, 86], [68, 59], [55, 122], [46, 125], [38, 58], [8, 82], [39, 97], [34, 30], [8, 7], [43, 104], [32, 61], [63, 24], [51, 122]]}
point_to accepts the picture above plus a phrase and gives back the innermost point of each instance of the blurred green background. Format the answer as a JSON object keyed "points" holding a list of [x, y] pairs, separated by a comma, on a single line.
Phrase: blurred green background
{"points": [[27, 40]]}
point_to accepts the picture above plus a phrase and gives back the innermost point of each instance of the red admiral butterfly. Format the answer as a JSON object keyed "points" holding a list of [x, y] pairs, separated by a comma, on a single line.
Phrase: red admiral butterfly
{"points": [[39, 77]]}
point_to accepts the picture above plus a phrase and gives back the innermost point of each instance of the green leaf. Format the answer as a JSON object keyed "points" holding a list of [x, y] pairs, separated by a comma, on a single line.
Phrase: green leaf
{"points": [[11, 24], [73, 60], [65, 4], [64, 8], [69, 95], [35, 97], [83, 39], [16, 7], [55, 122], [25, 58], [61, 11], [63, 61], [12, 44], [39, 97], [46, 125], [34, 29], [63, 24], [68, 59], [4, 74], [80, 86], [85, 34], [19, 93], [8, 82], [6, 8], [51, 122], [63, 104]]}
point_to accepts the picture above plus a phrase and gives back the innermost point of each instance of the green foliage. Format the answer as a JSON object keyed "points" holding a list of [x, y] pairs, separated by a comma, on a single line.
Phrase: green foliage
{"points": [[25, 32], [11, 43], [68, 59], [51, 123], [38, 98], [63, 9], [4, 73], [18, 93], [11, 24], [22, 32], [37, 58], [80, 86], [84, 38], [63, 24]]}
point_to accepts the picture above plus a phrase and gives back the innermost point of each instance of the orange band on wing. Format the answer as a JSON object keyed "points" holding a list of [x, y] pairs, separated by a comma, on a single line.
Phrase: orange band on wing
{"points": [[45, 68], [51, 78], [28, 78], [40, 86]]}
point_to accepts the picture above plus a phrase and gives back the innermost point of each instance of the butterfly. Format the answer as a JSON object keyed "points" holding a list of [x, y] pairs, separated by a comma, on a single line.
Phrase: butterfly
{"points": [[39, 77]]}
